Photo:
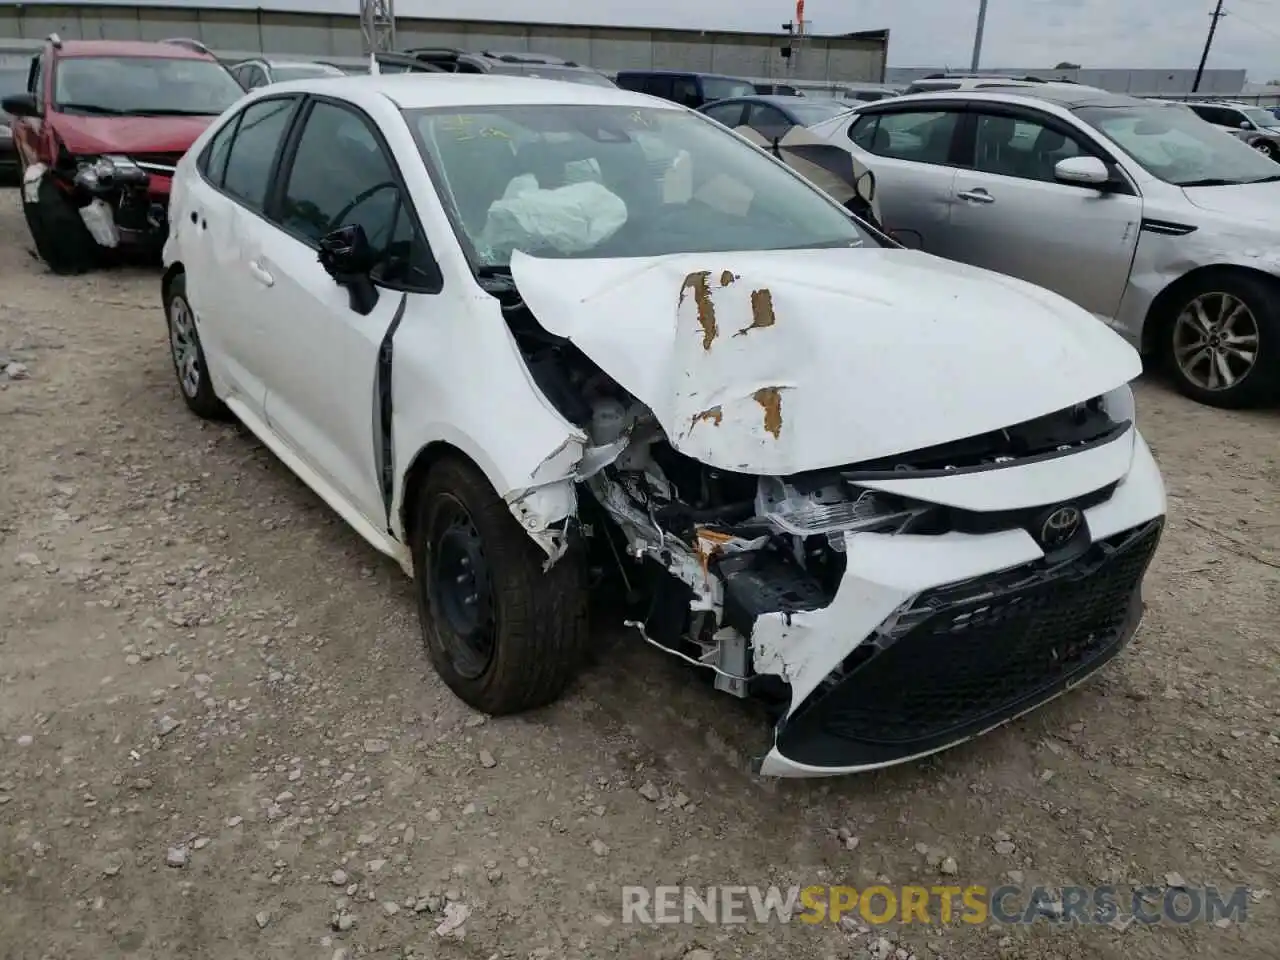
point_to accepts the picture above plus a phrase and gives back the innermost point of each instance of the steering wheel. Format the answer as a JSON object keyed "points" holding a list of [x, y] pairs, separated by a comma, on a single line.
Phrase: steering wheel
{"points": [[339, 219]]}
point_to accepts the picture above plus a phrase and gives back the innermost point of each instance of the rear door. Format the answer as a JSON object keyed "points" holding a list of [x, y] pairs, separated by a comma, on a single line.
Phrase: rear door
{"points": [[224, 227], [911, 151], [1011, 214]]}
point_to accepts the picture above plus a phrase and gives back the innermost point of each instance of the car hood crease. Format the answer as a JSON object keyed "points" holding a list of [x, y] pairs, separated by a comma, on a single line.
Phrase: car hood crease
{"points": [[779, 362]]}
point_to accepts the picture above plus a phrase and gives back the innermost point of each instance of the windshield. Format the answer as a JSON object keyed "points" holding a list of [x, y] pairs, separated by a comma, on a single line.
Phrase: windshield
{"points": [[144, 85], [1178, 147], [722, 88], [302, 71], [605, 181], [810, 112]]}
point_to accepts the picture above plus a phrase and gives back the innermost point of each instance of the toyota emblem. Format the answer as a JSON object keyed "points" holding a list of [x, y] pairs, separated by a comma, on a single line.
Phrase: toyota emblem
{"points": [[1060, 527]]}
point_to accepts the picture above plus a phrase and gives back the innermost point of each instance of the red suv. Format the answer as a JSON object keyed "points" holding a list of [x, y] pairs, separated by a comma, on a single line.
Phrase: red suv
{"points": [[98, 133]]}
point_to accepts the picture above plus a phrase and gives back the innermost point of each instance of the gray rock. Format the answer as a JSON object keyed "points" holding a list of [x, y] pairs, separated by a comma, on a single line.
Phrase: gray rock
{"points": [[650, 792], [176, 857], [262, 917], [486, 760], [166, 725], [376, 746]]}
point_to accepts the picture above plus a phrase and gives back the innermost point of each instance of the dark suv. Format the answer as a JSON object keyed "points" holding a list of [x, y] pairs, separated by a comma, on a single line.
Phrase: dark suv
{"points": [[542, 65], [688, 89]]}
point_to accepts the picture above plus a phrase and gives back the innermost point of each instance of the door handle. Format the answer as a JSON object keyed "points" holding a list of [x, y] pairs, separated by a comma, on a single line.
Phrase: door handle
{"points": [[977, 194], [261, 274]]}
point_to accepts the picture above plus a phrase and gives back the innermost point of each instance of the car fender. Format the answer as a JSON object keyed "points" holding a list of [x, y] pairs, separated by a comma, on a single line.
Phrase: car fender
{"points": [[460, 382]]}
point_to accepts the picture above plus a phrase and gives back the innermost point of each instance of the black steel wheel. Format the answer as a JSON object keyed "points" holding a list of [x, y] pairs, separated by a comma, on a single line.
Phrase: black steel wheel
{"points": [[505, 634]]}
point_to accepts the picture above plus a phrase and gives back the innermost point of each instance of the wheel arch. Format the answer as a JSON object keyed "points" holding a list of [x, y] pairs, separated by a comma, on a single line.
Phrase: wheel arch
{"points": [[171, 273], [1159, 314], [416, 473]]}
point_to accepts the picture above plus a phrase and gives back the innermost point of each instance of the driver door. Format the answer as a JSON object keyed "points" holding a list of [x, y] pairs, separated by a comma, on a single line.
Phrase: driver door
{"points": [[321, 355]]}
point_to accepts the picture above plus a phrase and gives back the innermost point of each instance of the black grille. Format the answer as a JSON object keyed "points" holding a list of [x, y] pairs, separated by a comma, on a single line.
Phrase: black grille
{"points": [[977, 655]]}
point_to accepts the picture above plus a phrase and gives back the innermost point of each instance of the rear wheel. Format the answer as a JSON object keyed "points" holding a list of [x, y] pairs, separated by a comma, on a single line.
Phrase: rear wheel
{"points": [[188, 355], [1222, 341], [503, 635], [61, 238]]}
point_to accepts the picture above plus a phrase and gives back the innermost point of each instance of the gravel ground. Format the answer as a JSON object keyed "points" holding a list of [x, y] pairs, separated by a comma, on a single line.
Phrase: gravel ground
{"points": [[220, 737]]}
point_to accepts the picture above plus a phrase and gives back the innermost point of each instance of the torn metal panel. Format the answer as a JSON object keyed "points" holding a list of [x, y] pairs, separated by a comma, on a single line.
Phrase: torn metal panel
{"points": [[830, 335]]}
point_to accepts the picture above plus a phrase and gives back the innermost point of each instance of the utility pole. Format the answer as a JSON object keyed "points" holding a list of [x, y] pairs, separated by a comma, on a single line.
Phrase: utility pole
{"points": [[977, 36], [1208, 42]]}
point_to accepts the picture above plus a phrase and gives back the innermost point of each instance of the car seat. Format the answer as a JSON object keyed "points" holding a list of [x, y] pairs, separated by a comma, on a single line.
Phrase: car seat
{"points": [[996, 153]]}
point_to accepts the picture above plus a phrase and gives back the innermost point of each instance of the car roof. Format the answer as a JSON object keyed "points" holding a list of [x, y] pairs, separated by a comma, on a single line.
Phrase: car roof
{"points": [[779, 99], [686, 73], [128, 48], [410, 92], [1069, 96]]}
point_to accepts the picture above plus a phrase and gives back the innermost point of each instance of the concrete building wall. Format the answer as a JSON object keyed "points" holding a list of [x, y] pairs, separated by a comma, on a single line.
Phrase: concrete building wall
{"points": [[246, 31]]}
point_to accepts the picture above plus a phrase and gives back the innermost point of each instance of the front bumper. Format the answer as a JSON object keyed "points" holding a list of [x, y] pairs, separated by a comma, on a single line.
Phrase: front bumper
{"points": [[932, 641]]}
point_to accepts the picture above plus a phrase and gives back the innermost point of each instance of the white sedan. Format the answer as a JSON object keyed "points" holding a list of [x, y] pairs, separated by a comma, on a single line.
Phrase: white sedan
{"points": [[528, 338]]}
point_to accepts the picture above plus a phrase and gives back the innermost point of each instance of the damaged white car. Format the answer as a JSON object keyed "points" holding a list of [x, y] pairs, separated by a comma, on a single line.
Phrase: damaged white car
{"points": [[529, 338]]}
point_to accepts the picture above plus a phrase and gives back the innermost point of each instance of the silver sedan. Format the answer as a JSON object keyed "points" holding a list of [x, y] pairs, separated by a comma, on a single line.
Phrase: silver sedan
{"points": [[1142, 213]]}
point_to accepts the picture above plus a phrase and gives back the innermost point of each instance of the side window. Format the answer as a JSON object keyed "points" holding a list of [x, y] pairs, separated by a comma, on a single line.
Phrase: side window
{"points": [[924, 137], [658, 87], [730, 114], [341, 177], [213, 159], [257, 77], [767, 120], [863, 130], [684, 90], [253, 151], [1021, 148], [35, 79]]}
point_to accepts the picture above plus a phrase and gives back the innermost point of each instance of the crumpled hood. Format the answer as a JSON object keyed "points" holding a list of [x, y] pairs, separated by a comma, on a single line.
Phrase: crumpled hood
{"points": [[1241, 202], [778, 362], [94, 135]]}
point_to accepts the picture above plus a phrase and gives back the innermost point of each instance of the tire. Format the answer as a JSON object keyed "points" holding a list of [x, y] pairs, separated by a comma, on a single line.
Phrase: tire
{"points": [[1249, 325], [1266, 148], [61, 238], [187, 354], [535, 623]]}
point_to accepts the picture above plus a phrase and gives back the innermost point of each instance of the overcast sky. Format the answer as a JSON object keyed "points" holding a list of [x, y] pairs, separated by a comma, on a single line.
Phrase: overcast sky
{"points": [[1020, 33]]}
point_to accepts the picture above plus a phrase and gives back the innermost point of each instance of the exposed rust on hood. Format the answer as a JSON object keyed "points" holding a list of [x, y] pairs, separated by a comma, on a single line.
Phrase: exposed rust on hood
{"points": [[700, 284], [762, 314], [770, 398], [713, 414], [727, 278]]}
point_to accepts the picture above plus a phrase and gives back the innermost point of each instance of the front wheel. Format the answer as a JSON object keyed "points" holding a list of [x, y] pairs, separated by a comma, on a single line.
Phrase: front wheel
{"points": [[59, 233], [1267, 149], [1222, 344], [504, 635]]}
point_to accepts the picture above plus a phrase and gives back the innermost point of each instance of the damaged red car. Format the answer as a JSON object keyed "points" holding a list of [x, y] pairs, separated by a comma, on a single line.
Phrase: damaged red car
{"points": [[98, 134]]}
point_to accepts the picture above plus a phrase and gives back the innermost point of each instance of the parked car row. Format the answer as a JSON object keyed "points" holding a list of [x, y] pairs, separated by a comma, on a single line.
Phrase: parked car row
{"points": [[705, 382]]}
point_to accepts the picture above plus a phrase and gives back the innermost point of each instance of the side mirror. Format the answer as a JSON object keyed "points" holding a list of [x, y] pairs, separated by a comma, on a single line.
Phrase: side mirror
{"points": [[346, 256], [21, 105], [1246, 125], [1088, 171]]}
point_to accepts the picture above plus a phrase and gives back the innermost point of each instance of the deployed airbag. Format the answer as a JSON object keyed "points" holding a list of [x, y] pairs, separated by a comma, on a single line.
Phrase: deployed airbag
{"points": [[567, 220]]}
